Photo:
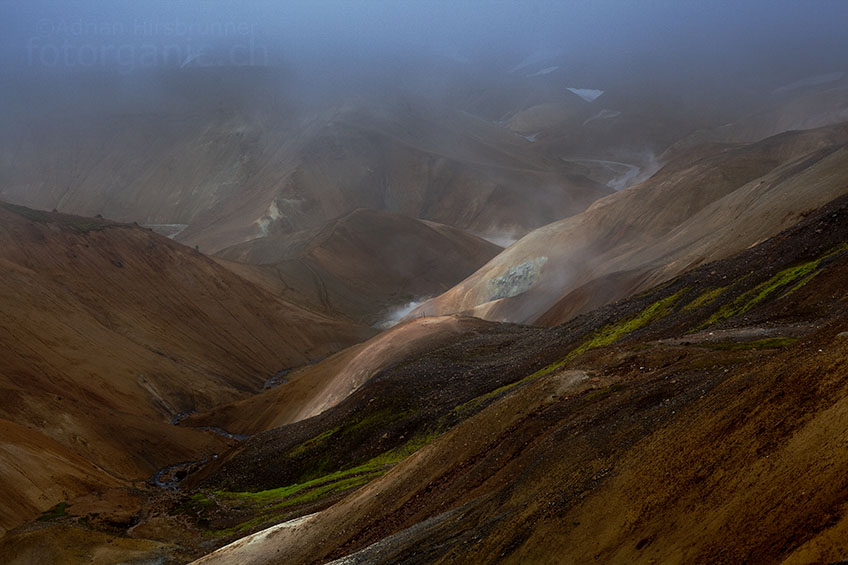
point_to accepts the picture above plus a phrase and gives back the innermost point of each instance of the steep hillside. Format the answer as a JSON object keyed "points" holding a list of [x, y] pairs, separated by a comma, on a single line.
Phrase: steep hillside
{"points": [[632, 423], [38, 472], [695, 422], [704, 205], [363, 265], [108, 333], [317, 388]]}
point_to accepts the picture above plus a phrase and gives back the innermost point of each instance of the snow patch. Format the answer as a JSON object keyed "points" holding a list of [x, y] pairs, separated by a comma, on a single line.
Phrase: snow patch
{"points": [[263, 224], [587, 94], [500, 239], [545, 71], [536, 58], [603, 115]]}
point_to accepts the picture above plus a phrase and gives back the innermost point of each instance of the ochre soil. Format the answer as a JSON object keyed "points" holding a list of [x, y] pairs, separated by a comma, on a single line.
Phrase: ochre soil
{"points": [[672, 445], [108, 332]]}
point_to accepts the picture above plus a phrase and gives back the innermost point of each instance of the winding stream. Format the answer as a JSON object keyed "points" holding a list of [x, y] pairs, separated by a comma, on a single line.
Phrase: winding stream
{"points": [[627, 172]]}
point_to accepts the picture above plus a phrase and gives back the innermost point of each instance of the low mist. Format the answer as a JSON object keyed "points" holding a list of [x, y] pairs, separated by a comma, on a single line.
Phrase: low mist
{"points": [[319, 47], [542, 97]]}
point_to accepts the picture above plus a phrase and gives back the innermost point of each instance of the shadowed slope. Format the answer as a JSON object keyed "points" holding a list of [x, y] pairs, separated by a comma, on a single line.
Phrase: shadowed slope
{"points": [[317, 388], [363, 264]]}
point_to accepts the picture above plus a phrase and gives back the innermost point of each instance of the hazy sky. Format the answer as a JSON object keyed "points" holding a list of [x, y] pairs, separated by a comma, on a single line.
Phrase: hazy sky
{"points": [[67, 34]]}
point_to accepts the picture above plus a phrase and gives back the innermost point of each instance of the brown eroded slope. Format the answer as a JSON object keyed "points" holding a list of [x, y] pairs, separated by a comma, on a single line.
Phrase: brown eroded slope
{"points": [[526, 426], [317, 388], [701, 421], [70, 545], [108, 331], [37, 470], [363, 264], [701, 206]]}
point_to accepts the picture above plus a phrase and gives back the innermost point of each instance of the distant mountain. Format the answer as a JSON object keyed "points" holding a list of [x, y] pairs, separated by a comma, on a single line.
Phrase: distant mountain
{"points": [[217, 170], [806, 105]]}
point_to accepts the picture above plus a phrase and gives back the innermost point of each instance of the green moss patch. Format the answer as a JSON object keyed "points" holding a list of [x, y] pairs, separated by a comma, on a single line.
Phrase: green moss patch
{"points": [[614, 332], [605, 336], [325, 453], [313, 442], [706, 298], [54, 513], [747, 300], [293, 494], [802, 282], [279, 504]]}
